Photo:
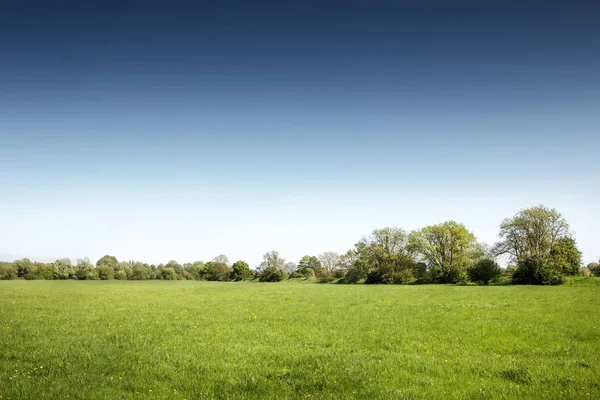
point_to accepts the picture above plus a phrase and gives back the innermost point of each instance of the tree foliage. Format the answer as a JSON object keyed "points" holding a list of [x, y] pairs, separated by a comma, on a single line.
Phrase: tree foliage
{"points": [[447, 248], [240, 271], [532, 232]]}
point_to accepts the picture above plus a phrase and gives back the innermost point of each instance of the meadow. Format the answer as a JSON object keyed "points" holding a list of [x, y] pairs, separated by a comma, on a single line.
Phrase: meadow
{"points": [[194, 340]]}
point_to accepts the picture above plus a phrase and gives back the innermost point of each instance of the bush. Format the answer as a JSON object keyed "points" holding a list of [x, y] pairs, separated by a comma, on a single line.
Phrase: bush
{"points": [[273, 274], [338, 273], [391, 276], [484, 271], [306, 273], [537, 271]]}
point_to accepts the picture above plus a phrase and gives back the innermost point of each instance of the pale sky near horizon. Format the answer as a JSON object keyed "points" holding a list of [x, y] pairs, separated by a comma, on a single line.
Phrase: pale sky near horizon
{"points": [[154, 133]]}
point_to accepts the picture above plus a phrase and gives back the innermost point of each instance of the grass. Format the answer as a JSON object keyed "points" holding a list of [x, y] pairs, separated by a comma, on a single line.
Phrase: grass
{"points": [[190, 340]]}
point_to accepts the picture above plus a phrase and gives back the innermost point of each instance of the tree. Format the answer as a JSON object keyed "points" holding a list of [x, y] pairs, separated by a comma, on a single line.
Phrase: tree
{"points": [[566, 256], [330, 261], [8, 271], [240, 271], [105, 272], [290, 267], [63, 269], [110, 261], [308, 266], [174, 265], [85, 270], [382, 257], [126, 269], [196, 270], [594, 268], [222, 258], [169, 274], [25, 269], [140, 271], [448, 249], [217, 271], [272, 259], [532, 232], [484, 271], [272, 267]]}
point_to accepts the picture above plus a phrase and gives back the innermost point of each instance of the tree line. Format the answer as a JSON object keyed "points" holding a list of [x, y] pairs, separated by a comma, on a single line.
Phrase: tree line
{"points": [[537, 241]]}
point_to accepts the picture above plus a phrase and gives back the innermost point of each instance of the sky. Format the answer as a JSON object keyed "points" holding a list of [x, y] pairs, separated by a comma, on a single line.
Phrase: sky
{"points": [[182, 130]]}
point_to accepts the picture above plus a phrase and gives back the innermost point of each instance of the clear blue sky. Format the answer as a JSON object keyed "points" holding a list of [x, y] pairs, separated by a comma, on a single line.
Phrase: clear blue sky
{"points": [[157, 131]]}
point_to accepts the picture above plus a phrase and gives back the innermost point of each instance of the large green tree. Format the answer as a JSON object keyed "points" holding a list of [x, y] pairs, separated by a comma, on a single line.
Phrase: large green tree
{"points": [[109, 261], [532, 232], [448, 249], [385, 256], [240, 270]]}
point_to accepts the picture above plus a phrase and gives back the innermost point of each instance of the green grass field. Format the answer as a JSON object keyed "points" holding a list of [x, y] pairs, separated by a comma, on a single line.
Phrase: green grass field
{"points": [[189, 340]]}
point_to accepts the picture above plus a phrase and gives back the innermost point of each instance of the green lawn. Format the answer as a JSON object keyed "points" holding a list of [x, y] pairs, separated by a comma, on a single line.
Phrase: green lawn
{"points": [[189, 340]]}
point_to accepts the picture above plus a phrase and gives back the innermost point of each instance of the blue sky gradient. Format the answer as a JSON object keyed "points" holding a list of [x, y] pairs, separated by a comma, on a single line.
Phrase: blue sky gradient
{"points": [[157, 131]]}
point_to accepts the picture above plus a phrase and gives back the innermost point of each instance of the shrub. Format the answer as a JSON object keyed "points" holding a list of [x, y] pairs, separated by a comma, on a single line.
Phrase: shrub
{"points": [[390, 276], [484, 271], [304, 273], [537, 271], [273, 274], [355, 273], [338, 273]]}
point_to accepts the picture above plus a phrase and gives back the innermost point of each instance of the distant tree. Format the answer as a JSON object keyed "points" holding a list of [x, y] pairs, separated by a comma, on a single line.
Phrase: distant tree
{"points": [[44, 271], [240, 271], [110, 261], [532, 232], [222, 258], [330, 260], [382, 257], [140, 271], [63, 269], [8, 271], [290, 267], [217, 271], [484, 271], [308, 266], [448, 249], [169, 274], [594, 268], [25, 269], [85, 270], [105, 272], [196, 270], [178, 268], [272, 268], [126, 268], [566, 256]]}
